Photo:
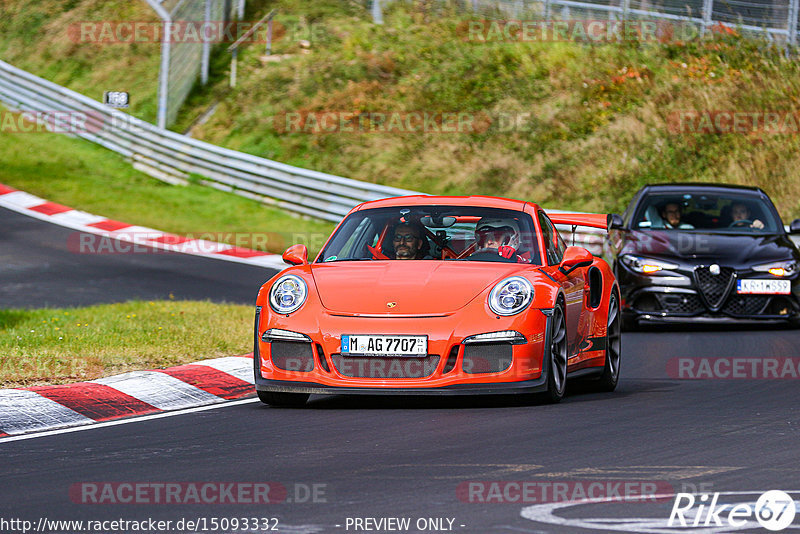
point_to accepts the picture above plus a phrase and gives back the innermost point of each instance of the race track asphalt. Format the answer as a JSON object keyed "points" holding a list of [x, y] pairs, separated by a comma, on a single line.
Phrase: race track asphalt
{"points": [[39, 268], [374, 457]]}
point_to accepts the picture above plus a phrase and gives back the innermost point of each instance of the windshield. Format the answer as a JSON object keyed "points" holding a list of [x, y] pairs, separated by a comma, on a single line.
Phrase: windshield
{"points": [[725, 213], [443, 233]]}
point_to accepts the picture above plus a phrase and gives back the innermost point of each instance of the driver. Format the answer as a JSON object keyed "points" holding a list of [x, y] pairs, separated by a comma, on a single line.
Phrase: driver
{"points": [[671, 213], [498, 236], [408, 242], [741, 216]]}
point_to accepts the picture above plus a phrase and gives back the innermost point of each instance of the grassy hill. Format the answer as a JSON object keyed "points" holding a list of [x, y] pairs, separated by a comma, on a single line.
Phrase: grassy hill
{"points": [[594, 118]]}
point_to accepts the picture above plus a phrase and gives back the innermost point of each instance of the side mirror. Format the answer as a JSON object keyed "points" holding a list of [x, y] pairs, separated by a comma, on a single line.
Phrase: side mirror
{"points": [[794, 228], [296, 255], [575, 257], [615, 222]]}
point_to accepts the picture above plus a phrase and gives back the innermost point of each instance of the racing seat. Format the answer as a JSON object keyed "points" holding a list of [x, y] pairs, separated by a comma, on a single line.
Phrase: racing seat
{"points": [[654, 217]]}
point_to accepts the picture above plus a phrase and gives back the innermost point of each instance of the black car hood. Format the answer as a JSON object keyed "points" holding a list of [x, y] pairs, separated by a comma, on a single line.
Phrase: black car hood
{"points": [[698, 246]]}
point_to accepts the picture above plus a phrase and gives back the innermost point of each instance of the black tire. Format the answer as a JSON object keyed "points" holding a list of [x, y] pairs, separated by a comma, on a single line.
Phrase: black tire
{"points": [[282, 399], [556, 353], [608, 380]]}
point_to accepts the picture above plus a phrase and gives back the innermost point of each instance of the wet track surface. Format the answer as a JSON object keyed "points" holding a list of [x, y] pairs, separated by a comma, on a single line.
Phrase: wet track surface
{"points": [[413, 457]]}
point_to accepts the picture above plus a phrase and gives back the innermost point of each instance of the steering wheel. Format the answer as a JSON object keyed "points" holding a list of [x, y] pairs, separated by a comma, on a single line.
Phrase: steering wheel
{"points": [[489, 254], [741, 222]]}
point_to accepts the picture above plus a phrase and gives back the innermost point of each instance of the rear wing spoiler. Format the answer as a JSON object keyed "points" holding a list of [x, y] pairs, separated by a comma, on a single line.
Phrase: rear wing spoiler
{"points": [[594, 220]]}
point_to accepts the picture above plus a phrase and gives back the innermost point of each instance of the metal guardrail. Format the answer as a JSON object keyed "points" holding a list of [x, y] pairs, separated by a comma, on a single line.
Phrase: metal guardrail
{"points": [[175, 158]]}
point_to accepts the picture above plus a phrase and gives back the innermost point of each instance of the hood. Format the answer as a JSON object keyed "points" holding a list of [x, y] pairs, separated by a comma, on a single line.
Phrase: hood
{"points": [[422, 287], [734, 249]]}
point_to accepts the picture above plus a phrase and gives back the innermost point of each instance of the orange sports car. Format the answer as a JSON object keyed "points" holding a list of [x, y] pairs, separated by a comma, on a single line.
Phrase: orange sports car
{"points": [[440, 296]]}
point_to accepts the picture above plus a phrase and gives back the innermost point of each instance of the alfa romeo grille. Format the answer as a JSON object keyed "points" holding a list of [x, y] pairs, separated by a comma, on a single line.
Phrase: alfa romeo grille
{"points": [[714, 287]]}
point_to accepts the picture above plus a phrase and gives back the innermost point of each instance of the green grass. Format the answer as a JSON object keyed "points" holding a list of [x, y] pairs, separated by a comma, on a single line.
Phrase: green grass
{"points": [[61, 345], [88, 177]]}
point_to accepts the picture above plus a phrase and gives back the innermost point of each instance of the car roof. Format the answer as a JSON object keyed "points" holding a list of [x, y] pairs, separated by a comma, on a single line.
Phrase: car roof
{"points": [[697, 187], [428, 200]]}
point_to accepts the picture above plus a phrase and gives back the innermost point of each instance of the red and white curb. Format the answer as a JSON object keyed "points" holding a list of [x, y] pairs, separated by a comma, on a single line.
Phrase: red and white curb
{"points": [[41, 408], [39, 208]]}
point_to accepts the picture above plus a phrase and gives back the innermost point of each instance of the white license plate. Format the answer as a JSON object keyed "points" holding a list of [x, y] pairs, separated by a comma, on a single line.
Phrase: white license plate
{"points": [[379, 345], [764, 287]]}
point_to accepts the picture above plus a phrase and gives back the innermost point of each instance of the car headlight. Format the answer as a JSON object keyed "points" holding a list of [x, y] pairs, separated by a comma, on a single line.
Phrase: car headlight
{"points": [[511, 296], [643, 265], [778, 268], [288, 294]]}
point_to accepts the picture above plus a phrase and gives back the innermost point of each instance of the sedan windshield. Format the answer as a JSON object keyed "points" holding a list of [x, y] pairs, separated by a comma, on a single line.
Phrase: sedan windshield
{"points": [[726, 213], [456, 233]]}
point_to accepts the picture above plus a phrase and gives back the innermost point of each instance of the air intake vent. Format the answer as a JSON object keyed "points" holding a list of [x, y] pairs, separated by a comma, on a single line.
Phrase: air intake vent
{"points": [[290, 356], [487, 358]]}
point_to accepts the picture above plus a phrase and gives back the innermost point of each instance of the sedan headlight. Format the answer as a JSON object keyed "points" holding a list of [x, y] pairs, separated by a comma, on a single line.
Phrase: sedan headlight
{"points": [[288, 294], [778, 268], [643, 265], [511, 296]]}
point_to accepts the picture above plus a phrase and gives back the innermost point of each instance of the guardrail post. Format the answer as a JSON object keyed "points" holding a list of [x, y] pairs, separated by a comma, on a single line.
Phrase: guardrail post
{"points": [[269, 37], [234, 62], [708, 12], [206, 47], [377, 13], [792, 23], [163, 73], [626, 5]]}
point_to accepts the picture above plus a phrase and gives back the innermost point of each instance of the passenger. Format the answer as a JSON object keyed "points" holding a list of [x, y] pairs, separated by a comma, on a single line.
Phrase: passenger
{"points": [[497, 237], [741, 216]]}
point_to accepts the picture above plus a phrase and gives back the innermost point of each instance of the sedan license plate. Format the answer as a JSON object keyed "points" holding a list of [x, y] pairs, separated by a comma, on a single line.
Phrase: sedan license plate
{"points": [[380, 345], [763, 287]]}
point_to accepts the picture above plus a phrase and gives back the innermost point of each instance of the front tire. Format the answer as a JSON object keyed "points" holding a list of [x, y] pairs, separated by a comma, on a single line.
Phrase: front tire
{"points": [[556, 353], [608, 380], [282, 399]]}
